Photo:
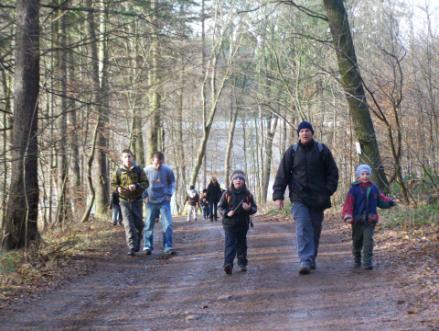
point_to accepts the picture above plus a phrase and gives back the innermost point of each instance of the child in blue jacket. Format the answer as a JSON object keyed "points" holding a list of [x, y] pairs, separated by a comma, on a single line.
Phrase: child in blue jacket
{"points": [[360, 210]]}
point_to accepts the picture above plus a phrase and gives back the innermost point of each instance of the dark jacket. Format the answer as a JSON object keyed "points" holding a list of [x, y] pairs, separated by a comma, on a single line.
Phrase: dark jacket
{"points": [[213, 192], [114, 199], [311, 175], [229, 201]]}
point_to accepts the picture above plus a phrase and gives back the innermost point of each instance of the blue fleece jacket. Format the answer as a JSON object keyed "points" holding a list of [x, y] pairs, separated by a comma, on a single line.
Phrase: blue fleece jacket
{"points": [[161, 183]]}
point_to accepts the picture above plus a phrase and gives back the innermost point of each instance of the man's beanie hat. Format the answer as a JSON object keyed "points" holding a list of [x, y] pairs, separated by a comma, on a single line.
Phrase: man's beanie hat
{"points": [[363, 168], [305, 125], [237, 174]]}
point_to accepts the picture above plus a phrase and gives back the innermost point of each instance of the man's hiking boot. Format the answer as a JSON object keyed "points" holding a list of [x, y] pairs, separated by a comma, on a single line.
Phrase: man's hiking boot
{"points": [[304, 269], [228, 269], [147, 251], [170, 252], [313, 266], [243, 268], [131, 252], [357, 261]]}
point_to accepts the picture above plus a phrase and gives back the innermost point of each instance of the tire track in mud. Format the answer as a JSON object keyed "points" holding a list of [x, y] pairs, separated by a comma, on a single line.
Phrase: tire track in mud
{"points": [[191, 291]]}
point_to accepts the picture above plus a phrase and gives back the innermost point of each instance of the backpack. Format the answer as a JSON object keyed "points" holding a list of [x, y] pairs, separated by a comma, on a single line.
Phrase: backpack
{"points": [[320, 147]]}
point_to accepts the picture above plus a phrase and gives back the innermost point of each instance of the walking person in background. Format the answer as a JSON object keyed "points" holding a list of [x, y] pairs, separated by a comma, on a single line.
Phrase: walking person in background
{"points": [[235, 207], [360, 210], [130, 181], [309, 170], [116, 214], [158, 203], [193, 200], [213, 196], [204, 203]]}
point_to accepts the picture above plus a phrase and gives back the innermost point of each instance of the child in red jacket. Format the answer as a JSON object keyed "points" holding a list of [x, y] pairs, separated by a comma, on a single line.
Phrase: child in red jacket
{"points": [[360, 210]]}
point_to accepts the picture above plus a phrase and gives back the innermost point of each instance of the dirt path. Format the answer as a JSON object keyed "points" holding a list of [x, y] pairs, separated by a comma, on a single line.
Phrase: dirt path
{"points": [[191, 291]]}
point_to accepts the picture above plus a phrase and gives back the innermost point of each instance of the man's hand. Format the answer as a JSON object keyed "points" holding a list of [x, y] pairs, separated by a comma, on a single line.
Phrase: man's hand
{"points": [[119, 189], [132, 187], [146, 200], [246, 206], [279, 204], [231, 213]]}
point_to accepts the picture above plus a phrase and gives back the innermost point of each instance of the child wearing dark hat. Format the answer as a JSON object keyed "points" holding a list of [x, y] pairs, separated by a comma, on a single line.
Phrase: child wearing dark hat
{"points": [[360, 210], [235, 207]]}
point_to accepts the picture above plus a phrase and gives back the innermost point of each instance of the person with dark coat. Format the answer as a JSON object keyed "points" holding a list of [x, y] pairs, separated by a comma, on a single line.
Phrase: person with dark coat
{"points": [[213, 196], [309, 170], [235, 207], [116, 213]]}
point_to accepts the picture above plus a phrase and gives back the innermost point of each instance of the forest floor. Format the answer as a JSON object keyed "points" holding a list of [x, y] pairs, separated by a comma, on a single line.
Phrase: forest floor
{"points": [[105, 289]]}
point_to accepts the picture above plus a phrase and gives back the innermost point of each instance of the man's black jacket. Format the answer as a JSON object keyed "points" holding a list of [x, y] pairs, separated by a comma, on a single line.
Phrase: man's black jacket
{"points": [[311, 175]]}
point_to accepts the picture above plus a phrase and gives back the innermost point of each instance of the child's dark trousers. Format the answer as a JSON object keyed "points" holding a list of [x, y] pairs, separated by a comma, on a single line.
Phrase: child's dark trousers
{"points": [[235, 245]]}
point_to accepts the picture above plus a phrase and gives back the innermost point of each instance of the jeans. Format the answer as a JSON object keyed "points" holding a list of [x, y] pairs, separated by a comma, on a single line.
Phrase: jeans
{"points": [[205, 209], [116, 214], [154, 210], [213, 210], [308, 230], [193, 213], [235, 244], [362, 240], [133, 222]]}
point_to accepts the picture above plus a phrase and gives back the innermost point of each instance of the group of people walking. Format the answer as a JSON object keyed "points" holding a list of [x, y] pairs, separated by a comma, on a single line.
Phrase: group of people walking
{"points": [[152, 186], [307, 168], [207, 201]]}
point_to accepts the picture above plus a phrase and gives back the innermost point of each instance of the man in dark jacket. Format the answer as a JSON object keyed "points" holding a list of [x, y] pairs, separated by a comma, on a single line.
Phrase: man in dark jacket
{"points": [[309, 170]]}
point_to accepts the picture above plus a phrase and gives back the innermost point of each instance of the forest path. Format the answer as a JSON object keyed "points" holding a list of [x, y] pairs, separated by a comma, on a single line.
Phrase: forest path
{"points": [[191, 291]]}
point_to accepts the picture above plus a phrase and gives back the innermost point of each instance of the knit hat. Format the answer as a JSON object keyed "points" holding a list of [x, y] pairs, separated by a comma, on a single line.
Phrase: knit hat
{"points": [[305, 125], [237, 174], [363, 168]]}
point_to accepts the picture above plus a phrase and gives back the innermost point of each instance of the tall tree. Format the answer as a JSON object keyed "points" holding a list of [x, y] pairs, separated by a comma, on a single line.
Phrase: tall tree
{"points": [[353, 86], [22, 207], [154, 84]]}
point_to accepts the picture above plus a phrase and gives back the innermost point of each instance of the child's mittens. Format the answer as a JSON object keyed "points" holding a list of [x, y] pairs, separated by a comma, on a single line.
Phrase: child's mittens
{"points": [[347, 219]]}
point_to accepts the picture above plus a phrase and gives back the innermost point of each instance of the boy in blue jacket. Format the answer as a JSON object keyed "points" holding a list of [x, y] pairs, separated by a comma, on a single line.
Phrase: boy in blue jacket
{"points": [[360, 210]]}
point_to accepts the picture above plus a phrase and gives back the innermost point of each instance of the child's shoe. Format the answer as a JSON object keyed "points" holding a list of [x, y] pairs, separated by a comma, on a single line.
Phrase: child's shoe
{"points": [[228, 269]]}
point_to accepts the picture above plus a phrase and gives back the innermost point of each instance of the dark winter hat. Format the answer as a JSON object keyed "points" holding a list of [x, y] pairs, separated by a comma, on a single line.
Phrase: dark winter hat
{"points": [[237, 174], [305, 125]]}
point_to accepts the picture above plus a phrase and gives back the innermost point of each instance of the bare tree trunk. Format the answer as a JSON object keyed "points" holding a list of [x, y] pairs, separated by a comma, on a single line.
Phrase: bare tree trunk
{"points": [[268, 149], [22, 206], [231, 132], [7, 92], [101, 92], [90, 161], [154, 84], [61, 59], [353, 86], [76, 189]]}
